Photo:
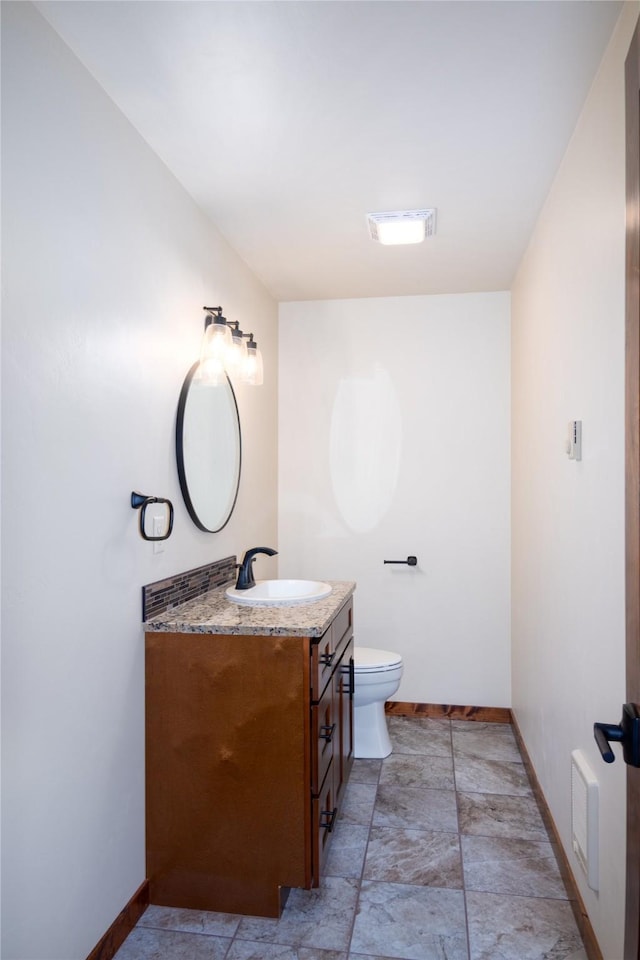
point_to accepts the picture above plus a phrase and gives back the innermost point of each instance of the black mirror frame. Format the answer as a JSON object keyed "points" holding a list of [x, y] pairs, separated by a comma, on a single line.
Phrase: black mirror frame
{"points": [[182, 476]]}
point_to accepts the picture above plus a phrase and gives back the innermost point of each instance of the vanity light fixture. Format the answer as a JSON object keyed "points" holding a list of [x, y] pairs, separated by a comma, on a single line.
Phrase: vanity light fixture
{"points": [[402, 226], [227, 350]]}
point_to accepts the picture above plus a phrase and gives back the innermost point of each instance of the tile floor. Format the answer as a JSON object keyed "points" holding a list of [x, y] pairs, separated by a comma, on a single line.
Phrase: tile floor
{"points": [[440, 854]]}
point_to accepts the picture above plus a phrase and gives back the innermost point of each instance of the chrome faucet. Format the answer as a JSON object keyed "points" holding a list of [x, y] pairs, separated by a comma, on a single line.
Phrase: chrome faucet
{"points": [[245, 575]]}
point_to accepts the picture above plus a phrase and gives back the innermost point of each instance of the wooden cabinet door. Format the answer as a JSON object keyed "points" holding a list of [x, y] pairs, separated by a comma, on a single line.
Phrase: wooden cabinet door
{"points": [[228, 760]]}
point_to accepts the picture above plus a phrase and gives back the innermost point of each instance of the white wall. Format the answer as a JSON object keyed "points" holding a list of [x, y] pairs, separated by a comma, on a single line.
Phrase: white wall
{"points": [[568, 517], [394, 440], [107, 264]]}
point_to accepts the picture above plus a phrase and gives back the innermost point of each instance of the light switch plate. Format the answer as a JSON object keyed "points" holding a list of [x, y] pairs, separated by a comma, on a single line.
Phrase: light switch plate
{"points": [[574, 440], [159, 525]]}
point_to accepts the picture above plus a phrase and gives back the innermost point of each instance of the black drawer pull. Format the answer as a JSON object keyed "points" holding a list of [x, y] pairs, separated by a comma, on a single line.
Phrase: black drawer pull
{"points": [[326, 659], [326, 732], [331, 814]]}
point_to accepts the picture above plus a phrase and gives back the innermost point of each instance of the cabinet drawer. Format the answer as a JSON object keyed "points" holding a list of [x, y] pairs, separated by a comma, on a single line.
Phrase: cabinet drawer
{"points": [[326, 651], [324, 814], [325, 733]]}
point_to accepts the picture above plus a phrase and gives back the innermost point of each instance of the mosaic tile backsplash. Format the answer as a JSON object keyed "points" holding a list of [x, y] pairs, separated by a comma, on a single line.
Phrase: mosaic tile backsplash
{"points": [[165, 594]]}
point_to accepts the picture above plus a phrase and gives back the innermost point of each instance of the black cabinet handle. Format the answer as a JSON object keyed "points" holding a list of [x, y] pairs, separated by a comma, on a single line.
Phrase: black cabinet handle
{"points": [[326, 732], [410, 561], [326, 659], [627, 732], [331, 819]]}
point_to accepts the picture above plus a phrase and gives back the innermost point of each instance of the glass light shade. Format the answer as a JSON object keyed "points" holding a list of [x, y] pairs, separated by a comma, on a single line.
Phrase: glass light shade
{"points": [[236, 353], [253, 373], [216, 341], [211, 372]]}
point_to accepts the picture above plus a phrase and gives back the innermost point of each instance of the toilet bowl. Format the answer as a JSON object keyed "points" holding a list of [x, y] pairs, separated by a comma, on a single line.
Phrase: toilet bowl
{"points": [[377, 677]]}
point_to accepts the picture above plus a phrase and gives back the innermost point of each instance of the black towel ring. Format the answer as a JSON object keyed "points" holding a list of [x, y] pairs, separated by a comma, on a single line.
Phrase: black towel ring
{"points": [[140, 502]]}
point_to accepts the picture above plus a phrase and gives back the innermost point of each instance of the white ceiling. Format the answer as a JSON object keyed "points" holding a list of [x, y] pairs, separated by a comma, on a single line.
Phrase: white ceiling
{"points": [[289, 121]]}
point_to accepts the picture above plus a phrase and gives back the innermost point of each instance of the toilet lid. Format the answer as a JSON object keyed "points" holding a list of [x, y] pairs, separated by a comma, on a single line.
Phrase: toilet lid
{"points": [[367, 659]]}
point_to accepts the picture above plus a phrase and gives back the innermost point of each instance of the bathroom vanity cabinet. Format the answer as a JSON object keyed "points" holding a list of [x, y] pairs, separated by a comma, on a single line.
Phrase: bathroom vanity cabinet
{"points": [[249, 744]]}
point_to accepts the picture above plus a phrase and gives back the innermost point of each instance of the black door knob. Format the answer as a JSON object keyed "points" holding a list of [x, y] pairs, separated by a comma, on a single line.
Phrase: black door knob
{"points": [[627, 732]]}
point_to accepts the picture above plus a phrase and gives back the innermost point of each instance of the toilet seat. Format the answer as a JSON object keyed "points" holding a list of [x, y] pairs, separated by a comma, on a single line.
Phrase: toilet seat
{"points": [[368, 660]]}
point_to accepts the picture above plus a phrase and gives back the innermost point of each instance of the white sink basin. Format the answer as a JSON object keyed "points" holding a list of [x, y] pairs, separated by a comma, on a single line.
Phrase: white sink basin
{"points": [[280, 593]]}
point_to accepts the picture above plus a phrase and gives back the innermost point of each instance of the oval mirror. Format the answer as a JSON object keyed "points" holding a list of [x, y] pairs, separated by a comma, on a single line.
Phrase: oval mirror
{"points": [[208, 450]]}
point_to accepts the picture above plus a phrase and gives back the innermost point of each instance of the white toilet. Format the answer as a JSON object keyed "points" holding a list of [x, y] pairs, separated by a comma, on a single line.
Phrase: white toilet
{"points": [[377, 677]]}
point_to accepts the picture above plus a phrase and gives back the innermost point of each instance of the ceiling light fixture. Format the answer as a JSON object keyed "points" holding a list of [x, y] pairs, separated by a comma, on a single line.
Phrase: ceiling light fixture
{"points": [[402, 226], [224, 351]]}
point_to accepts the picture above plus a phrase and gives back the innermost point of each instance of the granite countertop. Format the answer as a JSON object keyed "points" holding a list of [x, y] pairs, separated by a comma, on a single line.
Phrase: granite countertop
{"points": [[213, 613]]}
